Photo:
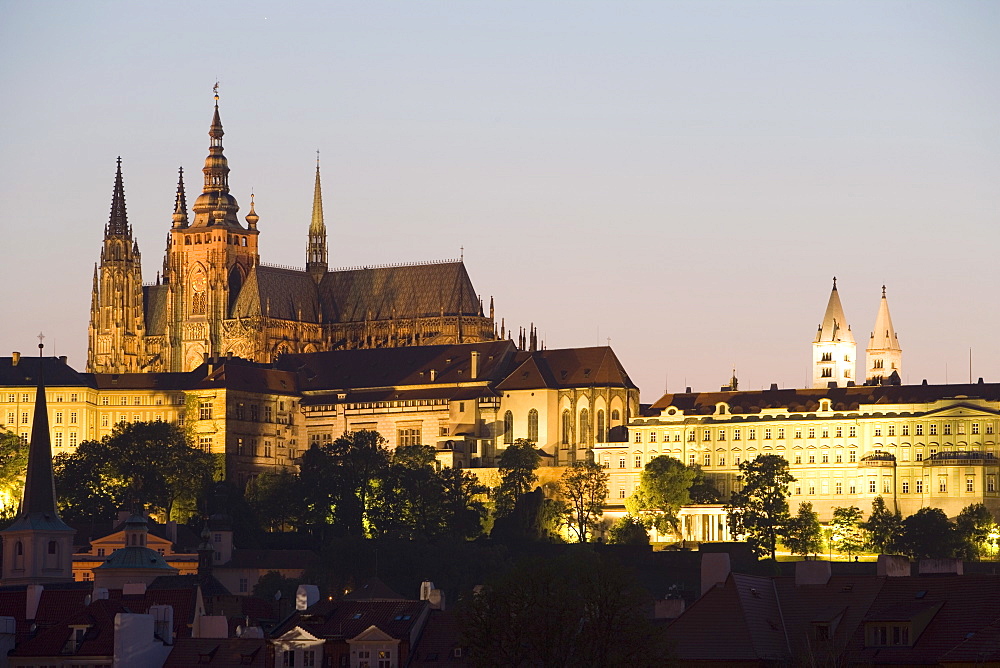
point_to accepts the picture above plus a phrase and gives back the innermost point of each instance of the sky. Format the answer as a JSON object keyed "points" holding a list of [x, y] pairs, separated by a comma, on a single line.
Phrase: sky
{"points": [[683, 179]]}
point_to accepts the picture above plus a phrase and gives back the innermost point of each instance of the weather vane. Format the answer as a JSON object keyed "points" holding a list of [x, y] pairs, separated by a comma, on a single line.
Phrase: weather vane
{"points": [[41, 337], [215, 89]]}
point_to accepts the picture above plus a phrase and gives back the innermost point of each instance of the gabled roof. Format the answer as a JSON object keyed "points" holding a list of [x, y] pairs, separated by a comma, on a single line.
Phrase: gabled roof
{"points": [[372, 634], [25, 372], [438, 641], [286, 294], [219, 652], [373, 590], [348, 619], [360, 369], [238, 374], [567, 367]]}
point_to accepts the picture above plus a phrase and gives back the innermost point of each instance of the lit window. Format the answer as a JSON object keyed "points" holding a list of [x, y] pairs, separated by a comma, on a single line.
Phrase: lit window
{"points": [[892, 430], [871, 486], [638, 437], [942, 484], [905, 487], [838, 488], [652, 437], [798, 432], [767, 434], [975, 428], [852, 456], [919, 456], [947, 430], [798, 459], [205, 410], [812, 489], [722, 460], [751, 434], [885, 486], [933, 431], [970, 484], [918, 486], [691, 460], [853, 432], [736, 434], [638, 461], [826, 432], [826, 459], [840, 459], [508, 428], [708, 459], [621, 462], [906, 430], [991, 483], [989, 429], [707, 435], [812, 459], [621, 493], [878, 431], [722, 434], [812, 432], [840, 432]]}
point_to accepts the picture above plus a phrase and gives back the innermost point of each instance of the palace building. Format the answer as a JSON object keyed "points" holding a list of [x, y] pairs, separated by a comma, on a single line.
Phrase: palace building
{"points": [[914, 445], [214, 297]]}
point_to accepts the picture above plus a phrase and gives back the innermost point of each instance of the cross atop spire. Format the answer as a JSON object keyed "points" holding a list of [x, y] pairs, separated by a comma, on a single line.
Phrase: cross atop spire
{"points": [[118, 222], [834, 282]]}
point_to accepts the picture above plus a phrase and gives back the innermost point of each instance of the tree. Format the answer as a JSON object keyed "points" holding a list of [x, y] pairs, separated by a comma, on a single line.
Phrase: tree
{"points": [[147, 463], [847, 534], [802, 533], [883, 527], [517, 465], [575, 610], [702, 489], [628, 530], [464, 510], [274, 497], [585, 487], [927, 534], [13, 465], [664, 486], [976, 531], [759, 509]]}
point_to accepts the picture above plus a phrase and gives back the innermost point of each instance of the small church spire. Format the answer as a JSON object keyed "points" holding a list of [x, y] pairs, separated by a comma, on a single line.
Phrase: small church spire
{"points": [[118, 223], [316, 253], [834, 348], [180, 202]]}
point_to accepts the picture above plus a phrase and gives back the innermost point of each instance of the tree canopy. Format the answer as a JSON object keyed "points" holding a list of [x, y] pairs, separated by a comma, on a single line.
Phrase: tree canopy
{"points": [[802, 534], [517, 465], [140, 463], [927, 534], [664, 486], [883, 527], [585, 488], [846, 532], [976, 530], [13, 464], [759, 509]]}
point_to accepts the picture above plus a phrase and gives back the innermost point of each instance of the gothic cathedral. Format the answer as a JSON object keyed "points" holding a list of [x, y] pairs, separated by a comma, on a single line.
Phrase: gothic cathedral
{"points": [[215, 298]]}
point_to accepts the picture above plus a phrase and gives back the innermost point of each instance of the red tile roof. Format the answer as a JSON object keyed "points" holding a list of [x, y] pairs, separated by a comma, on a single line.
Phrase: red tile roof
{"points": [[218, 652]]}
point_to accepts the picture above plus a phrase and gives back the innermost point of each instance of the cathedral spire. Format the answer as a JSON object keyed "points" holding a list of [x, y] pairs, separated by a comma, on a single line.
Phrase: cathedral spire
{"points": [[215, 206], [883, 356], [834, 326], [316, 254], [118, 223], [180, 202]]}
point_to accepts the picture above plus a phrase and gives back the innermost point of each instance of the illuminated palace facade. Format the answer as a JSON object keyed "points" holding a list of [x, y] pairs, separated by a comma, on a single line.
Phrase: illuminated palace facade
{"points": [[914, 445], [214, 297]]}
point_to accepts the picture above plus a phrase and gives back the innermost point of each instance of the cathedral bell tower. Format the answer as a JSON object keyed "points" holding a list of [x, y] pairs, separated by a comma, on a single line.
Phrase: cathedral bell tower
{"points": [[117, 320], [834, 349], [207, 261]]}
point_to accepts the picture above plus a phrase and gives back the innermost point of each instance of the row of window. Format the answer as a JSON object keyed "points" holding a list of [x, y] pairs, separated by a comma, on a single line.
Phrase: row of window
{"points": [[824, 432], [904, 486]]}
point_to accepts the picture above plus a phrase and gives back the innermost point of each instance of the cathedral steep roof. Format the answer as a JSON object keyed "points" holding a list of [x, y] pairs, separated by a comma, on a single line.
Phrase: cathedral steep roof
{"points": [[404, 291], [154, 301], [285, 294]]}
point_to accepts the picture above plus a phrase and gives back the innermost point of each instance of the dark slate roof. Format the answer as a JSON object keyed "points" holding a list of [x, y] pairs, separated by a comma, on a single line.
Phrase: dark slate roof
{"points": [[219, 652], [438, 641], [567, 367], [807, 400], [154, 301], [404, 291], [287, 294], [25, 372], [967, 610], [391, 367], [141, 381], [238, 374], [100, 616], [373, 590], [346, 619], [135, 557]]}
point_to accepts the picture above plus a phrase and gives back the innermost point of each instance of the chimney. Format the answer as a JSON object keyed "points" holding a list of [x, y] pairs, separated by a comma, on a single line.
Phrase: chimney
{"points": [[31, 599], [892, 566], [306, 596], [687, 390], [15, 357], [774, 387], [715, 568], [812, 572], [63, 358], [474, 370], [940, 567]]}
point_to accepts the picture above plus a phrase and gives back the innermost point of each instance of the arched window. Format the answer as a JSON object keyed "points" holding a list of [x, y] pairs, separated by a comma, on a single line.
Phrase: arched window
{"points": [[584, 427], [19, 556], [508, 428], [615, 415], [600, 427], [53, 547], [567, 427], [533, 425]]}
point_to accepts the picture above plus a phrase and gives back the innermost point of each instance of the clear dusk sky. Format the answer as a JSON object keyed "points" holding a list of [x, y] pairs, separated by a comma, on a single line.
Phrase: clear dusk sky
{"points": [[684, 178]]}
